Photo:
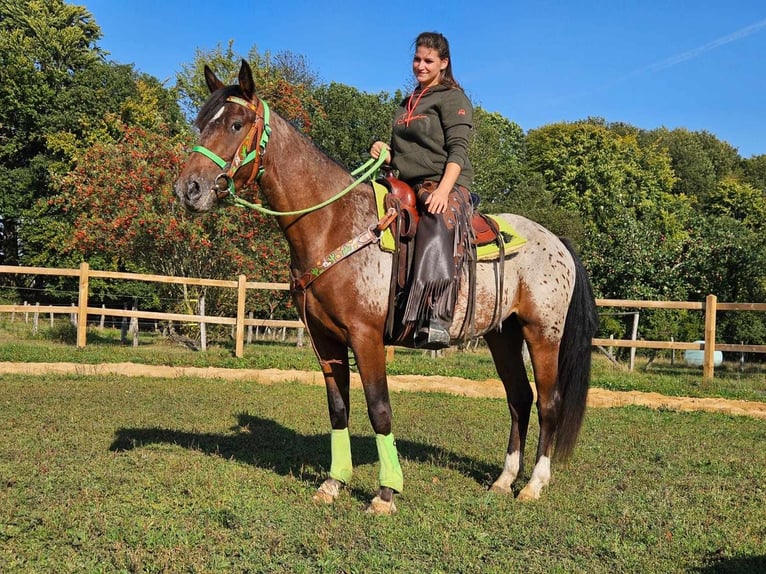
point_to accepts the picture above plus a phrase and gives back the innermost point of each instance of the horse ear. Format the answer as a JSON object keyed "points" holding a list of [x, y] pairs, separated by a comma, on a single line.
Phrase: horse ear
{"points": [[213, 83], [246, 82]]}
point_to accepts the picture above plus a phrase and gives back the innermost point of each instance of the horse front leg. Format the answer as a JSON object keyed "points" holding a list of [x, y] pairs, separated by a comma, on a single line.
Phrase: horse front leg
{"points": [[371, 361], [333, 359]]}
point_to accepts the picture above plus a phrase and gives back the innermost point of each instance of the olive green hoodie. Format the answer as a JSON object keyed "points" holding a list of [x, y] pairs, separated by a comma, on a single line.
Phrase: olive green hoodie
{"points": [[432, 128]]}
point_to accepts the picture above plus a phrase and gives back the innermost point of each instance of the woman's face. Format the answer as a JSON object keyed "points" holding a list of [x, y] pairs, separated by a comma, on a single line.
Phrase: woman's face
{"points": [[427, 66]]}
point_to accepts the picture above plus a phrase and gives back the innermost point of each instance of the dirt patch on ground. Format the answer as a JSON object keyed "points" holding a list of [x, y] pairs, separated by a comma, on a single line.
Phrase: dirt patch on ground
{"points": [[412, 383]]}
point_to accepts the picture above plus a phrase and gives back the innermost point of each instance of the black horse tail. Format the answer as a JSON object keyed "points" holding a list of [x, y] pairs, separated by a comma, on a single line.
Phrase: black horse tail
{"points": [[575, 359]]}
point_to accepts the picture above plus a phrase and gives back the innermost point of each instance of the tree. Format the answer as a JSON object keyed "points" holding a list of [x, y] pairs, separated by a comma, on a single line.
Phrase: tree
{"points": [[274, 80], [596, 172], [692, 166], [738, 200], [57, 97], [754, 171], [634, 226], [728, 259], [347, 121], [496, 153], [43, 45]]}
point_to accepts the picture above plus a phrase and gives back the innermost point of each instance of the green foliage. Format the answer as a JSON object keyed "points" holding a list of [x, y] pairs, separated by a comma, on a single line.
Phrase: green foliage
{"points": [[117, 210], [497, 155], [57, 98], [532, 199], [754, 171], [738, 200], [694, 169], [44, 45], [348, 121], [599, 172]]}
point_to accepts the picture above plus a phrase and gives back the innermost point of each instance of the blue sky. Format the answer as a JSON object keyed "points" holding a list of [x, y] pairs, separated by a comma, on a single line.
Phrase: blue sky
{"points": [[696, 64]]}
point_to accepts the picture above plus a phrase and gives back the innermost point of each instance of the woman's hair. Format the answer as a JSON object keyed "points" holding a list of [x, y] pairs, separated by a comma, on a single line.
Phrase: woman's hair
{"points": [[436, 41]]}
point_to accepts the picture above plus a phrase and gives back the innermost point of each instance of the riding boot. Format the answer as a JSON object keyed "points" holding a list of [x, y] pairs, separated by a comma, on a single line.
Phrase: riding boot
{"points": [[433, 336]]}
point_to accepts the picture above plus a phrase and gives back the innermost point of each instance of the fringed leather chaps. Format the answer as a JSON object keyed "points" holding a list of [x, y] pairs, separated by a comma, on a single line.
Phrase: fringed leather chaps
{"points": [[442, 245]]}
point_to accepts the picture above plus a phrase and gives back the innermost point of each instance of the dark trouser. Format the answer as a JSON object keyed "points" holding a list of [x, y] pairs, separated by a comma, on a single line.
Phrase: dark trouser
{"points": [[442, 244]]}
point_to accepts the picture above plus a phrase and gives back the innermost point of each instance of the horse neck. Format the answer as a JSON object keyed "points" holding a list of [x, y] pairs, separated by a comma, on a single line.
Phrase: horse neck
{"points": [[298, 175]]}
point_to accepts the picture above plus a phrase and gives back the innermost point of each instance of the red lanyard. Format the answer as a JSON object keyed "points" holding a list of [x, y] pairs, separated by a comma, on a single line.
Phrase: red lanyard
{"points": [[411, 107]]}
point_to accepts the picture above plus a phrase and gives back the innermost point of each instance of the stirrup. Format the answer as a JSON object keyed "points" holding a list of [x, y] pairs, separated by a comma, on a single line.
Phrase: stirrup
{"points": [[433, 337]]}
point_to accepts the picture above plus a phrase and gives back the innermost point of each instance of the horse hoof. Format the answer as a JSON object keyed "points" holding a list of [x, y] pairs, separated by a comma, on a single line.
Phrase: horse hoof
{"points": [[382, 507], [500, 489], [527, 494], [327, 492]]}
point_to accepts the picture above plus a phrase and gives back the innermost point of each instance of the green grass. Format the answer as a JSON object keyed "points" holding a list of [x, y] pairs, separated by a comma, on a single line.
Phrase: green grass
{"points": [[112, 474]]}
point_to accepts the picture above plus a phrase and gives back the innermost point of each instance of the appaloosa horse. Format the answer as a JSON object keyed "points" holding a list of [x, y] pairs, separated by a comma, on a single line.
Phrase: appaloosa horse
{"points": [[546, 298]]}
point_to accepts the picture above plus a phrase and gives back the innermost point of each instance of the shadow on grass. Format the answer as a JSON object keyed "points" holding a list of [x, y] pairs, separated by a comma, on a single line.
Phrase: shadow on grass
{"points": [[735, 565], [267, 444]]}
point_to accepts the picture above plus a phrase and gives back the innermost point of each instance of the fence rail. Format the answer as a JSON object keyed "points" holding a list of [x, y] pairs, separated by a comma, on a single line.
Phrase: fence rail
{"points": [[709, 307]]}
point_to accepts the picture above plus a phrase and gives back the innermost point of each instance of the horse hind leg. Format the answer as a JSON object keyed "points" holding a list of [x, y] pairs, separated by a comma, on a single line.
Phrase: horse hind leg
{"points": [[544, 356], [506, 349]]}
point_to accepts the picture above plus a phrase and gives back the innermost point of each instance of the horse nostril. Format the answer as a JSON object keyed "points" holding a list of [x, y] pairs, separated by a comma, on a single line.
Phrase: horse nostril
{"points": [[192, 190]]}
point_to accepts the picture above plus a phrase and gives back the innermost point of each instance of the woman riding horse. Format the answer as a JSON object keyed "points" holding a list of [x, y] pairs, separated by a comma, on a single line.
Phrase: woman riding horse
{"points": [[545, 299]]}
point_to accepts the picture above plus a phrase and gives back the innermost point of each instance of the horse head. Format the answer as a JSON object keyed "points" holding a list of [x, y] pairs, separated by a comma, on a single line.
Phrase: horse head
{"points": [[233, 126]]}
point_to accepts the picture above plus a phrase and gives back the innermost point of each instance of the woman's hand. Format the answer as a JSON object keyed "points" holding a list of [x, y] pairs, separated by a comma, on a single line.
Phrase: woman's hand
{"points": [[437, 201], [381, 147]]}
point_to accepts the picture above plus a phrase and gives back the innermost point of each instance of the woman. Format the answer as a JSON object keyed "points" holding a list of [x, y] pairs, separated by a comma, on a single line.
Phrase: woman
{"points": [[429, 148]]}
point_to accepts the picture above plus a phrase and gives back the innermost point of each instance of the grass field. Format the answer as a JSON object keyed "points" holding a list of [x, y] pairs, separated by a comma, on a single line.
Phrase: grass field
{"points": [[111, 474]]}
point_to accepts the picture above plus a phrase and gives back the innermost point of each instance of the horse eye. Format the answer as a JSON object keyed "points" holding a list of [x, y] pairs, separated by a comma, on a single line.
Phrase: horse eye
{"points": [[236, 126]]}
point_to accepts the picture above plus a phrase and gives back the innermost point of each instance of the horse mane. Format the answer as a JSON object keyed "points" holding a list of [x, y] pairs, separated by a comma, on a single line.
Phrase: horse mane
{"points": [[214, 103]]}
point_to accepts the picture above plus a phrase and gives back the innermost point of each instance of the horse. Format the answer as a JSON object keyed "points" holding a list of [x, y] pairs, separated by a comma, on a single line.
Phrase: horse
{"points": [[546, 298]]}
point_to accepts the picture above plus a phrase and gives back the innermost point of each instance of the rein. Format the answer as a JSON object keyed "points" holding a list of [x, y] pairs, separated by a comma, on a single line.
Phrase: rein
{"points": [[367, 170]]}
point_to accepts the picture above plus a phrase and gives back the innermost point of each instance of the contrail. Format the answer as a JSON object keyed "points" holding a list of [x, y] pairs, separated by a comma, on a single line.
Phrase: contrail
{"points": [[670, 62], [683, 57]]}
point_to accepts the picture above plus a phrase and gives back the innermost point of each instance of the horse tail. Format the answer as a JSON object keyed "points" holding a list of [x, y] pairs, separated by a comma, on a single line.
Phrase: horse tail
{"points": [[575, 359]]}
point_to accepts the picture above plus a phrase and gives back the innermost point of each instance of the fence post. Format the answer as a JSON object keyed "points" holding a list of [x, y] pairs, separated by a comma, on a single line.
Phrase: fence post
{"points": [[134, 328], [202, 324], [633, 337], [708, 358], [82, 313], [239, 332]]}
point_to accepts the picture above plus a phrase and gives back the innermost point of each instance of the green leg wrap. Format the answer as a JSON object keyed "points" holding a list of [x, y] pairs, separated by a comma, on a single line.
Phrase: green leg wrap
{"points": [[390, 471], [341, 467]]}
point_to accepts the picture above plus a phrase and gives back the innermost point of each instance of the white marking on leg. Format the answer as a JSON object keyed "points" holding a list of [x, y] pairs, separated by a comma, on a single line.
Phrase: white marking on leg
{"points": [[541, 476], [328, 491], [509, 474]]}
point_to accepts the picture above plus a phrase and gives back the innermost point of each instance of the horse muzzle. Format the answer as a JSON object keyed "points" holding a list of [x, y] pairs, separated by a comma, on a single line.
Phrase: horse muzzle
{"points": [[196, 197]]}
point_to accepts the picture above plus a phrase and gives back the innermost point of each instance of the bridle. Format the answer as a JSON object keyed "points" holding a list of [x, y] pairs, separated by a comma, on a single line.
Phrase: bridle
{"points": [[259, 132]]}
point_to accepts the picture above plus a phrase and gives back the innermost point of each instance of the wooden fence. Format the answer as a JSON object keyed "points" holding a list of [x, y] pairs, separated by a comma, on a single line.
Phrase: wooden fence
{"points": [[709, 307]]}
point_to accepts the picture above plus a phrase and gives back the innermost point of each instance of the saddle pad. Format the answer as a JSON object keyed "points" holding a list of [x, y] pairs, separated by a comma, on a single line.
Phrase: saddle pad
{"points": [[512, 241], [387, 242], [489, 252]]}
